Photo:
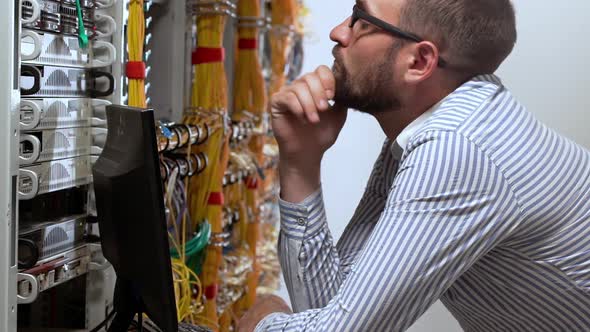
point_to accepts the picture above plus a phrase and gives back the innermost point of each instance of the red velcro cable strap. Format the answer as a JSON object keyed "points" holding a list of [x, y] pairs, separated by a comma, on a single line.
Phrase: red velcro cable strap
{"points": [[252, 183], [247, 43], [208, 55], [135, 70], [211, 291], [216, 199]]}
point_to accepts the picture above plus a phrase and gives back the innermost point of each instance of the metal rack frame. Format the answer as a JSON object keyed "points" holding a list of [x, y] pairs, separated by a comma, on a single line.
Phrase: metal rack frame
{"points": [[99, 279], [9, 101]]}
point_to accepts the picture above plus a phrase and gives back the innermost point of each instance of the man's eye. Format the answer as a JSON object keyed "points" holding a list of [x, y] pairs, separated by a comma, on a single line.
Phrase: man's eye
{"points": [[361, 26]]}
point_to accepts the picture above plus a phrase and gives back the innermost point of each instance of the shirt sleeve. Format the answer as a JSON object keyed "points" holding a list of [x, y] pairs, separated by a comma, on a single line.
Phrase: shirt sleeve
{"points": [[447, 208], [312, 266]]}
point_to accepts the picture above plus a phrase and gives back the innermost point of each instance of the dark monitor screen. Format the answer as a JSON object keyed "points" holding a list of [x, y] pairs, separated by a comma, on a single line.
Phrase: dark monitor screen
{"points": [[131, 216]]}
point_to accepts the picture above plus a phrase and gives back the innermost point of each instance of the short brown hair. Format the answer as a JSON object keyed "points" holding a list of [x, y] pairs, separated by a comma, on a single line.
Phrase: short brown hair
{"points": [[475, 36]]}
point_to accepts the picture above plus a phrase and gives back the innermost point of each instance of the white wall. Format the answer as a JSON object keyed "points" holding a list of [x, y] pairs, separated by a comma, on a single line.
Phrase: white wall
{"points": [[550, 68], [549, 72]]}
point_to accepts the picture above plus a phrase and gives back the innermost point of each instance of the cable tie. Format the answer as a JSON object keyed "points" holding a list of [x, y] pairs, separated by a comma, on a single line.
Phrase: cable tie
{"points": [[247, 43], [216, 198], [135, 70], [210, 291], [208, 55], [252, 183]]}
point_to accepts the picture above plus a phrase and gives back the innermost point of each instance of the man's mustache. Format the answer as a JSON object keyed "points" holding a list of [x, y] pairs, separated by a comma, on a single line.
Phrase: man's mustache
{"points": [[337, 53]]}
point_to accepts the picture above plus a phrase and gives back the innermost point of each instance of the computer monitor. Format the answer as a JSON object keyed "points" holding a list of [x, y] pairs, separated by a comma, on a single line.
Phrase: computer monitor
{"points": [[131, 217]]}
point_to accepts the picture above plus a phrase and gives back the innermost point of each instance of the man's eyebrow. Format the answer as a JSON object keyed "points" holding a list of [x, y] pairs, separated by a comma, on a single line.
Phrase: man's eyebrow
{"points": [[361, 4]]}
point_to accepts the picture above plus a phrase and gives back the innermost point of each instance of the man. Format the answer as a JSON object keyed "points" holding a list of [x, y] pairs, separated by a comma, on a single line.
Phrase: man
{"points": [[472, 200]]}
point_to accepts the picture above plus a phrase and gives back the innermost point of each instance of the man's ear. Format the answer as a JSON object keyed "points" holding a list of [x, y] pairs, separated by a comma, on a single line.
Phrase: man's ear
{"points": [[422, 62]]}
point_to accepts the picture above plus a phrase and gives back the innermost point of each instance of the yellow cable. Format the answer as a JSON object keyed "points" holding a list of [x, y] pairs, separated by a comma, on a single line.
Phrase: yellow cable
{"points": [[209, 104], [249, 86], [284, 20], [186, 282], [250, 96], [135, 42]]}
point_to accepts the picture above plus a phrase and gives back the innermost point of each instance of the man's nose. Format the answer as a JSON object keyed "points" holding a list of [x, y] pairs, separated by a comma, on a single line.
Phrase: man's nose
{"points": [[342, 33]]}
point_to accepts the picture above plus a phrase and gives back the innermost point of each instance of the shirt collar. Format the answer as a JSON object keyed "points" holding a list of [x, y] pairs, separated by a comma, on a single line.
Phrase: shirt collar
{"points": [[399, 145], [404, 137]]}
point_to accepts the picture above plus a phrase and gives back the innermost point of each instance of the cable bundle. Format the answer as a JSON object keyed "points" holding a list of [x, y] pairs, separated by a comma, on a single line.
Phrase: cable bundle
{"points": [[284, 20], [209, 103], [135, 66], [237, 265], [234, 273], [177, 166], [249, 82], [188, 244], [250, 101], [266, 251], [186, 282], [268, 260]]}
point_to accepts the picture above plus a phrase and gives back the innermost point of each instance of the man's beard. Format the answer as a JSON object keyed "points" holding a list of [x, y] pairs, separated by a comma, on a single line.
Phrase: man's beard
{"points": [[369, 91]]}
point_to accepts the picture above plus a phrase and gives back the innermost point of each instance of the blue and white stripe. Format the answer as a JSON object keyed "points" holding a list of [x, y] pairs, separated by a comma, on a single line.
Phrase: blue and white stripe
{"points": [[487, 210]]}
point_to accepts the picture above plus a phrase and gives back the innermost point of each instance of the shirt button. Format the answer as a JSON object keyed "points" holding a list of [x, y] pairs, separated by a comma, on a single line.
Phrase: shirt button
{"points": [[301, 221]]}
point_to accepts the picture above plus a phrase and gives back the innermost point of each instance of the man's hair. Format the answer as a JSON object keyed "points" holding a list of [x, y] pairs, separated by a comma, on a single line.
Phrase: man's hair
{"points": [[475, 36]]}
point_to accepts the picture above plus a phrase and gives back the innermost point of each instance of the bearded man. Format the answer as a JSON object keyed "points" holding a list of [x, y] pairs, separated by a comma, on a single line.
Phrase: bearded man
{"points": [[472, 200]]}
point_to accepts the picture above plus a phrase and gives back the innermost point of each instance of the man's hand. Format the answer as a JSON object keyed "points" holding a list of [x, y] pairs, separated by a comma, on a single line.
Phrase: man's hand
{"points": [[305, 126], [303, 122], [264, 306]]}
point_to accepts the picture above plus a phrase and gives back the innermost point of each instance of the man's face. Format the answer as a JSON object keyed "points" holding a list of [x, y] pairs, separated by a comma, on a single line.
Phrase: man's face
{"points": [[364, 60]]}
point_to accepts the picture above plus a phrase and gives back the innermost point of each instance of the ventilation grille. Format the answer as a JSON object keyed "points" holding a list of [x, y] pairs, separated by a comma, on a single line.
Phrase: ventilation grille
{"points": [[46, 188], [57, 110], [57, 141], [58, 47], [58, 78], [68, 11], [56, 241], [61, 93], [54, 123], [60, 61], [57, 172]]}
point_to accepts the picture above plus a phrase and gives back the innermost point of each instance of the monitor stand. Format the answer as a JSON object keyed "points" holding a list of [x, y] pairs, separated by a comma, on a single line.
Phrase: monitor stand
{"points": [[127, 304]]}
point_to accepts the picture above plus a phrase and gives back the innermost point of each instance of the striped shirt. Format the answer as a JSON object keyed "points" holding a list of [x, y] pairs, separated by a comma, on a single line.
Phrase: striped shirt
{"points": [[486, 209]]}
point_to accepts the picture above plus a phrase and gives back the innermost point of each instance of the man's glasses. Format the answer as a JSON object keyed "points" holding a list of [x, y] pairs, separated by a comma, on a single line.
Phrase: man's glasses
{"points": [[359, 14]]}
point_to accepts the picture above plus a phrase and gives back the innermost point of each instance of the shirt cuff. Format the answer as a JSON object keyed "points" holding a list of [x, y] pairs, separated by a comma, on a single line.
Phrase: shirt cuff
{"points": [[304, 219], [266, 322]]}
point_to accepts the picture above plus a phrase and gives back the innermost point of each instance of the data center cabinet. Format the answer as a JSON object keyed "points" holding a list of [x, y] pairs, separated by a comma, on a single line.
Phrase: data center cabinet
{"points": [[53, 275], [56, 84], [57, 80]]}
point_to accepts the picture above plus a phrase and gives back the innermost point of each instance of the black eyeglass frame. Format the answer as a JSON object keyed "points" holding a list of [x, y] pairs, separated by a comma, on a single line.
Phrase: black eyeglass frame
{"points": [[359, 14]]}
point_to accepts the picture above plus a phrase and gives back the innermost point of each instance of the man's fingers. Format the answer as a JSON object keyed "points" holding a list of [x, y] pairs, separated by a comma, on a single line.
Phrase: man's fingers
{"points": [[301, 89], [317, 91], [287, 101], [328, 81], [308, 95]]}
